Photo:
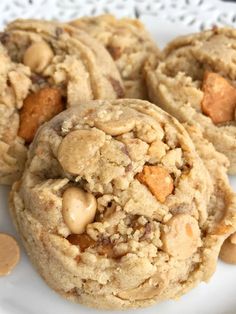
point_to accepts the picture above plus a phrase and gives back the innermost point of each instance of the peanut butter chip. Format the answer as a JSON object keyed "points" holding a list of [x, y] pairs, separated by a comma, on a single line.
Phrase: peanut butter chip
{"points": [[228, 250], [78, 147], [158, 180], [38, 108], [9, 254], [78, 209], [219, 100], [183, 236], [37, 56]]}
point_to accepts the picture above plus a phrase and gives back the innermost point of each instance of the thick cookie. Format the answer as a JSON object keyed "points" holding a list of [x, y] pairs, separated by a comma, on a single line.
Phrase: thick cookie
{"points": [[117, 210], [45, 67], [196, 83], [129, 45]]}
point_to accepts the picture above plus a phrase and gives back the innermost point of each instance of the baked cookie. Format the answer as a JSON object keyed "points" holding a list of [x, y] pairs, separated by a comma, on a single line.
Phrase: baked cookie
{"points": [[45, 67], [197, 83], [129, 45], [117, 210]]}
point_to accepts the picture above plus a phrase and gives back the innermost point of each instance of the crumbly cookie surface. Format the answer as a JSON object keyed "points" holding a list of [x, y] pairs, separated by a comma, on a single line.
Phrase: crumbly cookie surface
{"points": [[129, 45], [46, 67], [156, 217], [196, 83]]}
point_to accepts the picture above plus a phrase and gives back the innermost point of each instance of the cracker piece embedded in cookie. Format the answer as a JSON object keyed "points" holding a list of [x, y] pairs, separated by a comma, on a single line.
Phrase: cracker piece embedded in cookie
{"points": [[219, 100]]}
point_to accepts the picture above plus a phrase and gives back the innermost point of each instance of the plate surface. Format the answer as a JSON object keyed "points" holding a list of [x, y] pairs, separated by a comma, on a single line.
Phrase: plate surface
{"points": [[24, 292]]}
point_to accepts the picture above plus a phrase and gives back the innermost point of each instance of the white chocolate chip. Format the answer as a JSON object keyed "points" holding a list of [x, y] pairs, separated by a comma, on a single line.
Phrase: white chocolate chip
{"points": [[182, 237], [37, 56], [78, 209], [9, 254], [78, 147]]}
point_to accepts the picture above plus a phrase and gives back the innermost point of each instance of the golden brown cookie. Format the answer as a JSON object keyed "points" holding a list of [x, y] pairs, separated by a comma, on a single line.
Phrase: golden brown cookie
{"points": [[118, 208], [196, 84], [129, 44], [46, 67]]}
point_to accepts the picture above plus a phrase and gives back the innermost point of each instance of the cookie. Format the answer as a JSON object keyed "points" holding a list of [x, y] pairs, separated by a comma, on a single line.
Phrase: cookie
{"points": [[196, 82], [46, 67], [117, 210], [129, 45]]}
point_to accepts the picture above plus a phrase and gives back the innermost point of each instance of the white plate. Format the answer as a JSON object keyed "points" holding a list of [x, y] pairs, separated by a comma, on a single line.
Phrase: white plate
{"points": [[24, 292]]}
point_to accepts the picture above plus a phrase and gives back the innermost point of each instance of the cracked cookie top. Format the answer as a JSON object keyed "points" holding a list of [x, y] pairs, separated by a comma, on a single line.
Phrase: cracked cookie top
{"points": [[196, 82], [129, 44], [46, 67], [122, 200]]}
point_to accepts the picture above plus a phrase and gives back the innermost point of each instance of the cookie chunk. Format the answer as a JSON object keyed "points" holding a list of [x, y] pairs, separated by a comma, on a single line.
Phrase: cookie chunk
{"points": [[46, 67], [196, 83], [116, 208], [129, 44]]}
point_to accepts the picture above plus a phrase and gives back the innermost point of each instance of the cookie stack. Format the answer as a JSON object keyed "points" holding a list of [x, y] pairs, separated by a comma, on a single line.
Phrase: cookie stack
{"points": [[118, 203]]}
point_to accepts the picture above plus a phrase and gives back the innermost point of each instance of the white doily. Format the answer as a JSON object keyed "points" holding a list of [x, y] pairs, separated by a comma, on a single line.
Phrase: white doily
{"points": [[198, 13]]}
